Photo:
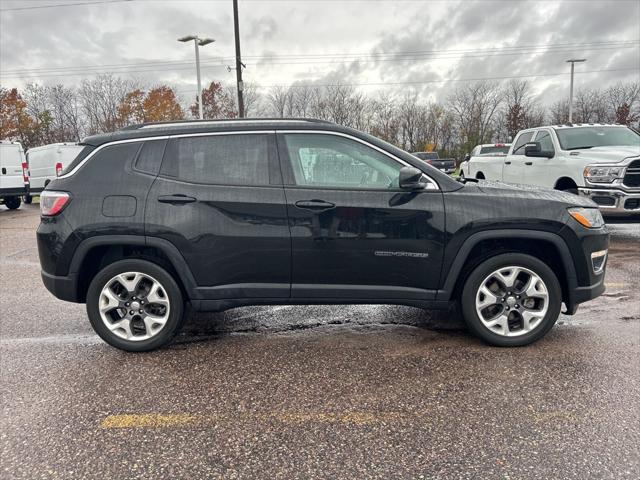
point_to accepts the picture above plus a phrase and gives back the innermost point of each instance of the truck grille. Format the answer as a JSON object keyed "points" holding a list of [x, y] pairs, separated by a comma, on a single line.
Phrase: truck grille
{"points": [[632, 176]]}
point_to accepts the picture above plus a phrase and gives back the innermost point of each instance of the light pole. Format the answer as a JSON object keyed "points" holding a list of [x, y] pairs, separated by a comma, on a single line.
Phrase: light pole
{"points": [[573, 61], [198, 42]]}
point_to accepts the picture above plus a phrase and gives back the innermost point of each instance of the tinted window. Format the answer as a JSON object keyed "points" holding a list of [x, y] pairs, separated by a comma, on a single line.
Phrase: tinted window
{"points": [[333, 161], [427, 155], [494, 150], [150, 156], [546, 143], [520, 142], [219, 159]]}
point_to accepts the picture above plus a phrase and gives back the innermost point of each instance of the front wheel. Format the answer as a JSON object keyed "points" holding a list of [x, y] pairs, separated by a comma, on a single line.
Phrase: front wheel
{"points": [[135, 305], [511, 300]]}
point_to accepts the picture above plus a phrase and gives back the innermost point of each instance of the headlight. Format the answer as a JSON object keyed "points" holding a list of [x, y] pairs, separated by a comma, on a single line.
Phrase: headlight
{"points": [[602, 174], [587, 217]]}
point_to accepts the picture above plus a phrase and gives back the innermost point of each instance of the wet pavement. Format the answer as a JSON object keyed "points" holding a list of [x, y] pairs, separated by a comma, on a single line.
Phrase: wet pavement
{"points": [[316, 392]]}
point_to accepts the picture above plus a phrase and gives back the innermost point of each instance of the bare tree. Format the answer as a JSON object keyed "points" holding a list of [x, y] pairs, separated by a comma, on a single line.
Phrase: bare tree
{"points": [[624, 103], [521, 110], [100, 99], [279, 99], [590, 106], [475, 107]]}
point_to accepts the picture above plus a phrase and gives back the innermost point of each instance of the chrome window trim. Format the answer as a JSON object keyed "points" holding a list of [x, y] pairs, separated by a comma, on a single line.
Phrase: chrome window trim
{"points": [[431, 184], [105, 145]]}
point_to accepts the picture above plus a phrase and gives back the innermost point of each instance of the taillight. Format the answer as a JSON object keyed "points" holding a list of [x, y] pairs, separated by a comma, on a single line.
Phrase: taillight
{"points": [[52, 203], [430, 162], [25, 173], [58, 169]]}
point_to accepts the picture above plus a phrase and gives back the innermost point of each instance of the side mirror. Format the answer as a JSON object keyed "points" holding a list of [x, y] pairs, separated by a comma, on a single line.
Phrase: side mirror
{"points": [[467, 157], [534, 149], [411, 179]]}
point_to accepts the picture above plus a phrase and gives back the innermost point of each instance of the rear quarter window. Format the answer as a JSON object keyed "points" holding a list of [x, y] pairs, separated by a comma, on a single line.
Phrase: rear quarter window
{"points": [[150, 156]]}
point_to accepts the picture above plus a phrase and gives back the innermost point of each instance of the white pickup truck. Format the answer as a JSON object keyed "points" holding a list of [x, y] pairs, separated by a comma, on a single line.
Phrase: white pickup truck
{"points": [[599, 161]]}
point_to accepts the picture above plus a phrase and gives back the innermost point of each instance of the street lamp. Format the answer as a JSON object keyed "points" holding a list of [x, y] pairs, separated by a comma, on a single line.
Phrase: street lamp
{"points": [[573, 61], [198, 42]]}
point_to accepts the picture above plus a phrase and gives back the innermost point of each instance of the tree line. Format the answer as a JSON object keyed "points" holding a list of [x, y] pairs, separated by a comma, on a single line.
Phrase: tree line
{"points": [[474, 113]]}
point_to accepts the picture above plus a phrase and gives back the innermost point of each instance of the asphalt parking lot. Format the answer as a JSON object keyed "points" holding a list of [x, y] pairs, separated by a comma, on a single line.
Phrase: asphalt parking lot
{"points": [[316, 392]]}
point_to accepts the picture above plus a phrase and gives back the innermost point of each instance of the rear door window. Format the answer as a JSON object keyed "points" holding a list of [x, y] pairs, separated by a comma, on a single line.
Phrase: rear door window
{"points": [[231, 159]]}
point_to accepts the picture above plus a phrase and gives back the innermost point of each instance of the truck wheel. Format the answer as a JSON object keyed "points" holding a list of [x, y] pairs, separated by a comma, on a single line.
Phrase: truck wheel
{"points": [[135, 305], [27, 199], [12, 202], [511, 300]]}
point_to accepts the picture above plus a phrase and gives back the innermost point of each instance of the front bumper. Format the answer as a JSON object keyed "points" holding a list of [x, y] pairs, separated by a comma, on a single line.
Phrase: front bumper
{"points": [[613, 201]]}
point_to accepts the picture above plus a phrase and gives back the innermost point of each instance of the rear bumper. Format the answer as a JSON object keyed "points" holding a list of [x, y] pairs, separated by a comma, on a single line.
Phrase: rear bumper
{"points": [[14, 192], [614, 202], [62, 287]]}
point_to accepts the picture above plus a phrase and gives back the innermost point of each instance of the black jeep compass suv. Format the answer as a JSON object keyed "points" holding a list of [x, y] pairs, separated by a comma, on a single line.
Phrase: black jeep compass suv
{"points": [[222, 214]]}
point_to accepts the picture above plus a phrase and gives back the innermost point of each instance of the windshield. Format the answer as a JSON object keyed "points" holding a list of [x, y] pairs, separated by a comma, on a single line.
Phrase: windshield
{"points": [[493, 150], [589, 137]]}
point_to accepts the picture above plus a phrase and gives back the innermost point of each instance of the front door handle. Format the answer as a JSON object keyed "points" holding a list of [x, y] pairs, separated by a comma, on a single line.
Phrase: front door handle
{"points": [[315, 205], [507, 163], [528, 163], [176, 199]]}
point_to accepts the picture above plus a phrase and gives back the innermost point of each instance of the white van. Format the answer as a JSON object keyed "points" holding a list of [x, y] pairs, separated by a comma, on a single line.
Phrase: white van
{"points": [[46, 163], [14, 174]]}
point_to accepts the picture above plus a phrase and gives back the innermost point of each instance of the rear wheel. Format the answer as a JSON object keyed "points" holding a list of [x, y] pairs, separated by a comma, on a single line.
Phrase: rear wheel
{"points": [[511, 300], [135, 305], [12, 202]]}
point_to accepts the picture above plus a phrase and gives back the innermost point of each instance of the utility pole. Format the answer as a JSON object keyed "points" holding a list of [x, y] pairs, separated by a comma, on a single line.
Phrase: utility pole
{"points": [[573, 62], [239, 64], [198, 42]]}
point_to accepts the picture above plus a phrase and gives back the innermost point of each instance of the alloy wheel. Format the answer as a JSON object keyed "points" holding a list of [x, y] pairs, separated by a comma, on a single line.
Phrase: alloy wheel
{"points": [[512, 301], [134, 306]]}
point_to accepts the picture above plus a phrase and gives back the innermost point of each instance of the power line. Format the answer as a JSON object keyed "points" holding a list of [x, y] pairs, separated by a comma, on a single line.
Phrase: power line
{"points": [[420, 82], [445, 51], [182, 65], [55, 5], [223, 60], [425, 82]]}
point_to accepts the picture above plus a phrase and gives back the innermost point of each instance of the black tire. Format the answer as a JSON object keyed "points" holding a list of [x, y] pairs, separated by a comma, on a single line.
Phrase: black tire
{"points": [[12, 203], [173, 323], [27, 199], [478, 275]]}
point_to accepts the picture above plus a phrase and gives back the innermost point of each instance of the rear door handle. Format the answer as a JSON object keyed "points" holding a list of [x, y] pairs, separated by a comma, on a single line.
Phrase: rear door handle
{"points": [[507, 163], [528, 163], [315, 205], [176, 199]]}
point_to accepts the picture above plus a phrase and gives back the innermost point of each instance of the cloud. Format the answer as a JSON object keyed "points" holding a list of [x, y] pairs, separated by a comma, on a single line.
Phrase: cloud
{"points": [[324, 31]]}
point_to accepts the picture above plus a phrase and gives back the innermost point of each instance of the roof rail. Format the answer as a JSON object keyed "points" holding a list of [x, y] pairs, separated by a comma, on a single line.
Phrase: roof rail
{"points": [[220, 120]]}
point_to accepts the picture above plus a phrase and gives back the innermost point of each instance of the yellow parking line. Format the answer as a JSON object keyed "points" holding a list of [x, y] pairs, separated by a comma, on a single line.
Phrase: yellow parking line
{"points": [[147, 420], [154, 420]]}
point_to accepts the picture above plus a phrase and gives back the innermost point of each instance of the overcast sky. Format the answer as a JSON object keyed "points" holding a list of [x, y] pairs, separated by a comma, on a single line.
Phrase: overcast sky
{"points": [[427, 46]]}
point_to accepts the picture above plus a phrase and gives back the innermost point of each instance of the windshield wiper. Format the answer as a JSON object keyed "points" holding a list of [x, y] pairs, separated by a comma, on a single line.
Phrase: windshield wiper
{"points": [[581, 148]]}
